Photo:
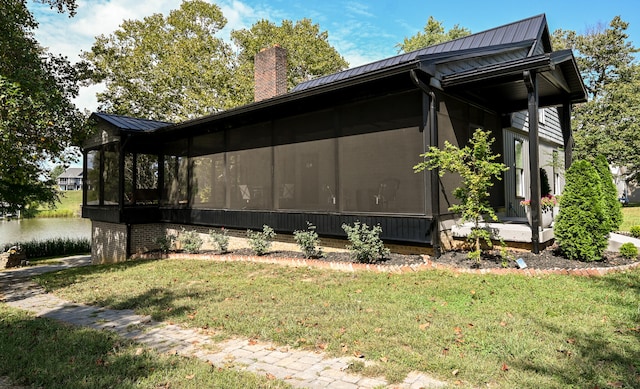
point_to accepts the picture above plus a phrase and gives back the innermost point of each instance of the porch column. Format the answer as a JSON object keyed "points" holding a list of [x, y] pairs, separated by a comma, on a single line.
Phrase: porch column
{"points": [[567, 134], [531, 81]]}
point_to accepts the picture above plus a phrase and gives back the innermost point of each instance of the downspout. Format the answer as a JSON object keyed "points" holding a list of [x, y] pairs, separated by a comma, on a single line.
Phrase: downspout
{"points": [[433, 175]]}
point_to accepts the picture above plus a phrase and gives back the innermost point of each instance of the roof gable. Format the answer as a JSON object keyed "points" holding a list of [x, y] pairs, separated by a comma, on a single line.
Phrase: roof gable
{"points": [[531, 32], [71, 172]]}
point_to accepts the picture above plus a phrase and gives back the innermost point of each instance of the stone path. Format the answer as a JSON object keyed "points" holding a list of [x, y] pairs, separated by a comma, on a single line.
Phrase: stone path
{"points": [[303, 369]]}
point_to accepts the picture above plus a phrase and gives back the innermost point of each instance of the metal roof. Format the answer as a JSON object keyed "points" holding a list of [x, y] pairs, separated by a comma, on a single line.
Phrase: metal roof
{"points": [[526, 30], [130, 123]]}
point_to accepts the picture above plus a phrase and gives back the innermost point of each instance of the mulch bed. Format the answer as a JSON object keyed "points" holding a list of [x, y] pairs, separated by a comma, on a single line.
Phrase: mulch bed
{"points": [[549, 258]]}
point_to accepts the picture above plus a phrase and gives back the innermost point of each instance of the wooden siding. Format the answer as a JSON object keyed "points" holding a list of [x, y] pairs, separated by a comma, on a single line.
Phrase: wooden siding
{"points": [[513, 207], [409, 229], [549, 131]]}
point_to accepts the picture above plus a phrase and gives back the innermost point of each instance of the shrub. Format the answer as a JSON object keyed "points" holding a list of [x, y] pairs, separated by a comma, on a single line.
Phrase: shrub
{"points": [[635, 231], [165, 243], [581, 229], [475, 163], [190, 241], [308, 241], [260, 242], [545, 188], [628, 250], [52, 247], [612, 206], [366, 245], [220, 239]]}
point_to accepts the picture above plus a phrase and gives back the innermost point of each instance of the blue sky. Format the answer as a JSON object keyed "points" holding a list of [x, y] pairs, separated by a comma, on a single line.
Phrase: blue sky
{"points": [[361, 31]]}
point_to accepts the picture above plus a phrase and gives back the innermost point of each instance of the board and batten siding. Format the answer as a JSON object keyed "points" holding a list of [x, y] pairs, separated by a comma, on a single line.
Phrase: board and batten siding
{"points": [[549, 130], [512, 203]]}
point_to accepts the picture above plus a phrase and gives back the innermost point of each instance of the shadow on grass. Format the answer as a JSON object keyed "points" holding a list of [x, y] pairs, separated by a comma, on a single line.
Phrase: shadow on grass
{"points": [[44, 353], [161, 300], [604, 352]]}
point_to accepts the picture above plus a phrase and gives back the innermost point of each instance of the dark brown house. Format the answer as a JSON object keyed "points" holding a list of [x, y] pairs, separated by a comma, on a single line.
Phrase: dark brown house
{"points": [[339, 148]]}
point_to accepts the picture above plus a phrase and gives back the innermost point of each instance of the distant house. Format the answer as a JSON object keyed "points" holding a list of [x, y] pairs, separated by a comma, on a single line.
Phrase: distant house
{"points": [[71, 179], [341, 148]]}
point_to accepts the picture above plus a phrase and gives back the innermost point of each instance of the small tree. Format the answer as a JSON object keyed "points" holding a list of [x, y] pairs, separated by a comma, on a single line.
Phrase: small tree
{"points": [[581, 229], [477, 167], [612, 207]]}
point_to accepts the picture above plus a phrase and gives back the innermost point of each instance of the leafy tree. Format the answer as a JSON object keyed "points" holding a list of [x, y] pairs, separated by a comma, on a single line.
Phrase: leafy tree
{"points": [[164, 68], [57, 171], [433, 34], [612, 207], [477, 168], [309, 53], [175, 68], [38, 122], [608, 123], [581, 229]]}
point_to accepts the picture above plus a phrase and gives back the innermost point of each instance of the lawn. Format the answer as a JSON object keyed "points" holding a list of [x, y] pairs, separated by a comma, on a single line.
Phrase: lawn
{"points": [[630, 217], [43, 353], [69, 205], [470, 330]]}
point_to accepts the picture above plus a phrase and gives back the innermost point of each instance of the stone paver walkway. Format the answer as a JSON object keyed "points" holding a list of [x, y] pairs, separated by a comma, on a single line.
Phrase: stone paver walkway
{"points": [[299, 368]]}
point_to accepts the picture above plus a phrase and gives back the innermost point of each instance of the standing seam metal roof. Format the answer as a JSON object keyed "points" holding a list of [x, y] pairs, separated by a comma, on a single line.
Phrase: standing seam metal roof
{"points": [[134, 124], [521, 31]]}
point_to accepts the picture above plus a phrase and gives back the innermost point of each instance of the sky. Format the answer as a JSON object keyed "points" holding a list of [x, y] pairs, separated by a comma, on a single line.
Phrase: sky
{"points": [[361, 31]]}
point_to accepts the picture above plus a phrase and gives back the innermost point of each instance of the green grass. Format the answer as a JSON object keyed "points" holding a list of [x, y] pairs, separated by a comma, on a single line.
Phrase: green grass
{"points": [[501, 331], [69, 205], [630, 217], [43, 353]]}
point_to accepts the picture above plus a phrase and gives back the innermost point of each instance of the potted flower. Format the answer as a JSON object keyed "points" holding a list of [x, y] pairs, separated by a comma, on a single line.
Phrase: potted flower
{"points": [[548, 204]]}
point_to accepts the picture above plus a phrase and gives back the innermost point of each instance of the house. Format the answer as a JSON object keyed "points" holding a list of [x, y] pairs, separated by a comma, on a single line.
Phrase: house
{"points": [[340, 148], [71, 179]]}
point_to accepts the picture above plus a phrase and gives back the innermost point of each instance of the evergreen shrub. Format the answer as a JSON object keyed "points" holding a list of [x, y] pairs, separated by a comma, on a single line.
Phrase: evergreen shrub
{"points": [[581, 229], [628, 250], [635, 231], [612, 206]]}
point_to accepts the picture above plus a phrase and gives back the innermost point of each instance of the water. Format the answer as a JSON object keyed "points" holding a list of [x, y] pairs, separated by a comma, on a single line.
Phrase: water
{"points": [[43, 228]]}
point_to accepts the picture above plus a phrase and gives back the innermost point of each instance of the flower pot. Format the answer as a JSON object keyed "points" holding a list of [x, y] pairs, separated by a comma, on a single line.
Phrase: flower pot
{"points": [[547, 217]]}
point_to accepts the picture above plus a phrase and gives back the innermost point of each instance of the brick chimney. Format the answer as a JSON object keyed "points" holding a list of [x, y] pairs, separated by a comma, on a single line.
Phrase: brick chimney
{"points": [[270, 73]]}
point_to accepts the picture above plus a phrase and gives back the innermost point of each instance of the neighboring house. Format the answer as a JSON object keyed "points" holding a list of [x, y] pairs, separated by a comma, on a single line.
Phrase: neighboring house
{"points": [[71, 179], [339, 148]]}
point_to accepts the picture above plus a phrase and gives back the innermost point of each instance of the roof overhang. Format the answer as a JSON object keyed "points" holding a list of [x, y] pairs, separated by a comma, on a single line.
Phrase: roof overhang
{"points": [[502, 87]]}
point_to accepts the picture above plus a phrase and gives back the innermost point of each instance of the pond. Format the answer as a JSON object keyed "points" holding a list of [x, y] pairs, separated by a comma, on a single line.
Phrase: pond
{"points": [[25, 230]]}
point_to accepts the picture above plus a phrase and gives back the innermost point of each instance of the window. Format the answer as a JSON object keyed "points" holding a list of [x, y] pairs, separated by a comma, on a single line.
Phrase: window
{"points": [[110, 175], [542, 115], [175, 180], [208, 183], [556, 173], [519, 167], [250, 179], [305, 176], [376, 173], [93, 177]]}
